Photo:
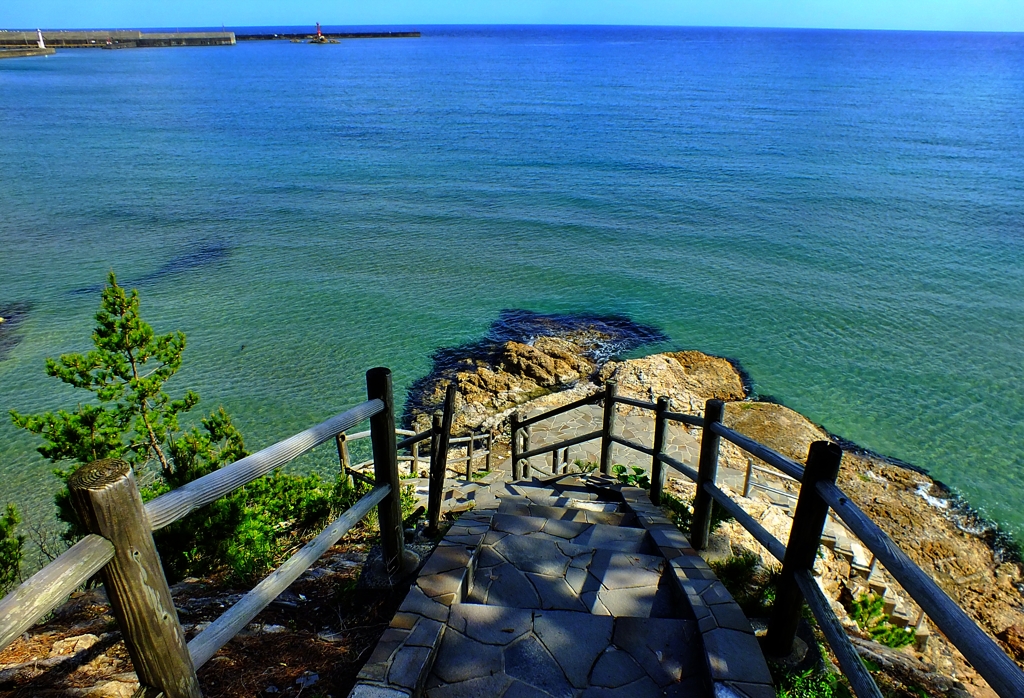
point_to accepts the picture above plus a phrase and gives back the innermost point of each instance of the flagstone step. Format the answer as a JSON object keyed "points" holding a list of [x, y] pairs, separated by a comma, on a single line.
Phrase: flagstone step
{"points": [[533, 573], [504, 652], [597, 536], [524, 507]]}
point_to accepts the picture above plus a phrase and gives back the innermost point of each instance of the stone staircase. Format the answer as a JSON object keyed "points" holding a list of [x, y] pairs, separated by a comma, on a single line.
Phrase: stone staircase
{"points": [[569, 587]]}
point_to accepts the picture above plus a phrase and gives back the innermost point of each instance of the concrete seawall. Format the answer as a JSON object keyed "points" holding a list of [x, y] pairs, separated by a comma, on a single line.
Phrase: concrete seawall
{"points": [[123, 38], [26, 52]]}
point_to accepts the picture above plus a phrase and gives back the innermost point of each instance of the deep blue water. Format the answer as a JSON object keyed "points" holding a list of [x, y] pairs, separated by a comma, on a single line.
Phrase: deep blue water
{"points": [[843, 212]]}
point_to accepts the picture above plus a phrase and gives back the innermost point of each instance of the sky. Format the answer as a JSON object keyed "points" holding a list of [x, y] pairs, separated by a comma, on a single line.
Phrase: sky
{"points": [[937, 15]]}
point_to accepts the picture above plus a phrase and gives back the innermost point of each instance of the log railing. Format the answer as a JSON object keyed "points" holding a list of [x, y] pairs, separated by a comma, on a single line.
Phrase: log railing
{"points": [[818, 494], [120, 544]]}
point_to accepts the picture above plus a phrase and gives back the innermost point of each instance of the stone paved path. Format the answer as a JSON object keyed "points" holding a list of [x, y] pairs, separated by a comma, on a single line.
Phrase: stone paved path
{"points": [[574, 587]]}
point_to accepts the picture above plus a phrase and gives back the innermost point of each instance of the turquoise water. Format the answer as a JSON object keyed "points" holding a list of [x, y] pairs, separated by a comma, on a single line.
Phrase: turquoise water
{"points": [[842, 212]]}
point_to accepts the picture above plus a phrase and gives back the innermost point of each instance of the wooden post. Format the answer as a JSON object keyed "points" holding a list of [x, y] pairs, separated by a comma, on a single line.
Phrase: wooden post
{"points": [[823, 462], [106, 498], [469, 458], [526, 448], [514, 444], [490, 449], [707, 471], [441, 428], [554, 462], [341, 440], [414, 468], [749, 476], [657, 467], [385, 470], [611, 388]]}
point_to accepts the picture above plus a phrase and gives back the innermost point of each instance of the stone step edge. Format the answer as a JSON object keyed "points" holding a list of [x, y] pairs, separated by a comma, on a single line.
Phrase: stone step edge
{"points": [[735, 665], [405, 654]]}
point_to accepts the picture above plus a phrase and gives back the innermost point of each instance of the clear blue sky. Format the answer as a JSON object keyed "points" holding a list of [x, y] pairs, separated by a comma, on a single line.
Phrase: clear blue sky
{"points": [[950, 15]]}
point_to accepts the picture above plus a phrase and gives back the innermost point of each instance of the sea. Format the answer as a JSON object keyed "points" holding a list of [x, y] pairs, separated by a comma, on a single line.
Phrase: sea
{"points": [[841, 212]]}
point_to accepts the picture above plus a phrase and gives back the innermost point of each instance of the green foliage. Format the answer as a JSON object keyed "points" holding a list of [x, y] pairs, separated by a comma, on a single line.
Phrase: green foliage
{"points": [[868, 611], [584, 467], [633, 476], [682, 512], [125, 372], [810, 683], [10, 549], [131, 417], [751, 585]]}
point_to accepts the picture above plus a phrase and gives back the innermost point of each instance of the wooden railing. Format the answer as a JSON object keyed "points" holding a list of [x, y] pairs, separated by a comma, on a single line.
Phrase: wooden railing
{"points": [[818, 493], [120, 544]]}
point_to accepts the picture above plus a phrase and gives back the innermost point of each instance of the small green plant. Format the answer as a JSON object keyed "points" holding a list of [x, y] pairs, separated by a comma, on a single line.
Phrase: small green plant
{"points": [[585, 467], [809, 684], [869, 612], [634, 476], [752, 585], [10, 549], [682, 512]]}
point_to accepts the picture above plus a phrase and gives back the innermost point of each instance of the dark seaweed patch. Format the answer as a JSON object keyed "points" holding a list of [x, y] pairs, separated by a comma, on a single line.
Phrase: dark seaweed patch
{"points": [[13, 314], [204, 256]]}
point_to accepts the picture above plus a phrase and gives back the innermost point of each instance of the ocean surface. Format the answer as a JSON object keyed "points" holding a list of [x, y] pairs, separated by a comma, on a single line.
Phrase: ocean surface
{"points": [[842, 212]]}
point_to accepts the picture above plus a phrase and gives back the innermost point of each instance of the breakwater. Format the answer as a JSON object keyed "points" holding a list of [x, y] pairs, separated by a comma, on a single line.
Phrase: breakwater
{"points": [[342, 35], [120, 38], [25, 52]]}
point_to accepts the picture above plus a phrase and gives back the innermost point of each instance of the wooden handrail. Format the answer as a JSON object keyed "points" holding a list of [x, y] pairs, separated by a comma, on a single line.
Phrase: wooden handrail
{"points": [[786, 465], [413, 439], [582, 402], [632, 444], [642, 404], [678, 465], [849, 661], [219, 632], [772, 544], [541, 450], [691, 419], [168, 508], [49, 587], [1002, 674]]}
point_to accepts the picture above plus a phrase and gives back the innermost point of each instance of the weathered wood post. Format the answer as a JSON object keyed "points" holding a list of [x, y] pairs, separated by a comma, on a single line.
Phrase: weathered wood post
{"points": [[554, 462], [490, 449], [341, 441], [748, 477], [441, 428], [469, 458], [414, 467], [106, 498], [385, 472], [526, 448], [823, 460], [707, 471], [657, 467], [514, 420], [611, 389]]}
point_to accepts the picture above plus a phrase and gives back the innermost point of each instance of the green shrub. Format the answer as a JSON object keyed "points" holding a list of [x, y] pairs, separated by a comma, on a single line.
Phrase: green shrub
{"points": [[131, 417], [869, 612], [585, 467], [809, 684], [682, 512], [632, 477], [751, 585], [10, 549]]}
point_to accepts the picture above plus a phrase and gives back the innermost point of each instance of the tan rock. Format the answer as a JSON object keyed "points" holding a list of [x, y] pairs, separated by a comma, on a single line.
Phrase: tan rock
{"points": [[71, 645], [775, 426]]}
